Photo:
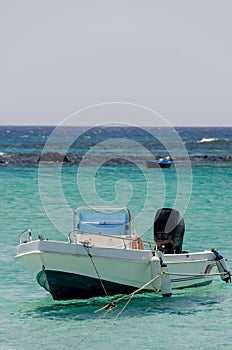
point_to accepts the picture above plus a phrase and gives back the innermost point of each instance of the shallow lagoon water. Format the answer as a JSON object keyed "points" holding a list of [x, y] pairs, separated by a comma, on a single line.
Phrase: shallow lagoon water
{"points": [[192, 318], [195, 318]]}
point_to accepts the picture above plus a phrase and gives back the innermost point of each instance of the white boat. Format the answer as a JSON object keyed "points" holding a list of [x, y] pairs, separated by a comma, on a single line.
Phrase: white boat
{"points": [[104, 256]]}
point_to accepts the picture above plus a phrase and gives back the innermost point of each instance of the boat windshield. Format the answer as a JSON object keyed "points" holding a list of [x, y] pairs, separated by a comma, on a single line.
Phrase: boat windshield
{"points": [[114, 221]]}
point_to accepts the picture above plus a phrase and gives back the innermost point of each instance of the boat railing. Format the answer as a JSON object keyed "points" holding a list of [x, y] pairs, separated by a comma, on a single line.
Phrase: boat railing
{"points": [[74, 239], [128, 241], [22, 239], [134, 242]]}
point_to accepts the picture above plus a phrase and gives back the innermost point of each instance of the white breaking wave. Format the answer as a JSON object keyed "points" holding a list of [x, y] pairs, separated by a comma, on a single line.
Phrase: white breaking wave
{"points": [[204, 139]]}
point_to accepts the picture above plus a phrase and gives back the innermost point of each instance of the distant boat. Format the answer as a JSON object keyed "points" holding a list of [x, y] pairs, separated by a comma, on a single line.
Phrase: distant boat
{"points": [[160, 163]]}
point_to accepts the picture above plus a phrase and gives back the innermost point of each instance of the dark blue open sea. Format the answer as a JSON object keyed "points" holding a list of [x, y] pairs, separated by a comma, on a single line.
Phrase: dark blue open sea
{"points": [[106, 166]]}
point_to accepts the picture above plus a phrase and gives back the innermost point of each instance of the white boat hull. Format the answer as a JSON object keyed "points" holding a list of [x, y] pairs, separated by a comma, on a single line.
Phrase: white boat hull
{"points": [[73, 271]]}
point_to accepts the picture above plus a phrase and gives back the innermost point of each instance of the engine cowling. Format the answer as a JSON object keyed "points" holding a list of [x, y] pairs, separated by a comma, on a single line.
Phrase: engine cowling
{"points": [[169, 230]]}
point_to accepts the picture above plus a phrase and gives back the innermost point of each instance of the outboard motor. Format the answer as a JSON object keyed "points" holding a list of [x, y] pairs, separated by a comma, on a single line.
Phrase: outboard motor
{"points": [[169, 230]]}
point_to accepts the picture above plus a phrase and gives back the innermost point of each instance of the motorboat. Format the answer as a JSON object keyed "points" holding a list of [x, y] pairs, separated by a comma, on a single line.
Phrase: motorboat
{"points": [[159, 163], [104, 256]]}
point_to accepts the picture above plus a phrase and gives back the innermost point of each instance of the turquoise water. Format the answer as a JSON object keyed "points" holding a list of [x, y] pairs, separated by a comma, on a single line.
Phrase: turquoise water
{"points": [[190, 319]]}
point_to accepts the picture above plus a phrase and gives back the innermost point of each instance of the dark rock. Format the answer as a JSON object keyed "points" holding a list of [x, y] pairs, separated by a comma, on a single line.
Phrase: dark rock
{"points": [[53, 157]]}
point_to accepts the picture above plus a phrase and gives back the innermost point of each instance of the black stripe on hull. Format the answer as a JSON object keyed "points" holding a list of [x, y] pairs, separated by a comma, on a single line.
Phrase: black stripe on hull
{"points": [[66, 286]]}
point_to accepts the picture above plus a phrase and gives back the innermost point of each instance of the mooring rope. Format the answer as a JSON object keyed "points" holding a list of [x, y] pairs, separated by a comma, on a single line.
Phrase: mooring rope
{"points": [[124, 307], [95, 268], [95, 330], [112, 304]]}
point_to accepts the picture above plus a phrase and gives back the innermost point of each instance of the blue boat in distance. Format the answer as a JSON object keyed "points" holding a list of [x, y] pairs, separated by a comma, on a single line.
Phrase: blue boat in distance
{"points": [[159, 163]]}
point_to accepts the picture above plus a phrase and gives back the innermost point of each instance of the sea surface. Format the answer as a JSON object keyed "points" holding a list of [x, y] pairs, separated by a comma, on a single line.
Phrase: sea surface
{"points": [[107, 166]]}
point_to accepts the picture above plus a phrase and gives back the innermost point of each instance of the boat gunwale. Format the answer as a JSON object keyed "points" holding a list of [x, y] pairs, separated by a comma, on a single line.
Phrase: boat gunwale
{"points": [[147, 253]]}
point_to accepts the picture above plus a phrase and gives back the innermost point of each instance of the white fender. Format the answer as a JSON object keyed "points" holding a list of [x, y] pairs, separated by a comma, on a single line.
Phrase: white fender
{"points": [[156, 271], [166, 286]]}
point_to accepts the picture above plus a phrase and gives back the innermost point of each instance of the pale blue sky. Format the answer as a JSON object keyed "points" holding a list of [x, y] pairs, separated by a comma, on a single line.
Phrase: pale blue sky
{"points": [[59, 56]]}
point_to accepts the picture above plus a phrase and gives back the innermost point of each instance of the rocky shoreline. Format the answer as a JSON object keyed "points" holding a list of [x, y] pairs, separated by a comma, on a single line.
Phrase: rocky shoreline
{"points": [[95, 159]]}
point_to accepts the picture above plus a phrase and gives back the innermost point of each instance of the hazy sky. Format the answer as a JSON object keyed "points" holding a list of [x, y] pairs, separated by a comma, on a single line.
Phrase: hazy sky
{"points": [[174, 56]]}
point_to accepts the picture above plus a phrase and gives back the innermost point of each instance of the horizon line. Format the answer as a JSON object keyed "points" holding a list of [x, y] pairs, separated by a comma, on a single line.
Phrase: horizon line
{"points": [[113, 125]]}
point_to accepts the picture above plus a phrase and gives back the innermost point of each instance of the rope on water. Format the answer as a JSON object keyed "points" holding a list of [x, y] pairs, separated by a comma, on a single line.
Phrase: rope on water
{"points": [[111, 304], [94, 330], [124, 307]]}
